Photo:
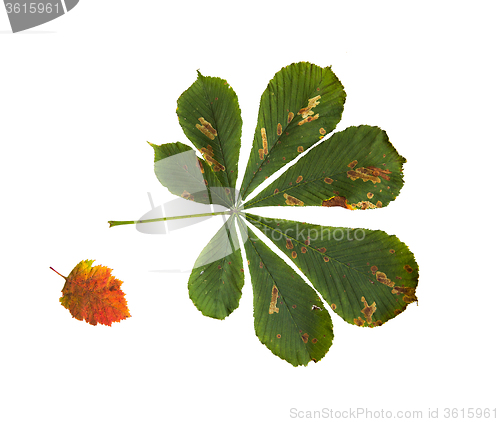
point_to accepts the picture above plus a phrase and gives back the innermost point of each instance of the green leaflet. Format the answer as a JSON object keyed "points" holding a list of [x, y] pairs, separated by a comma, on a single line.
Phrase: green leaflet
{"points": [[217, 278], [178, 169], [210, 117], [289, 317], [366, 276], [301, 104], [357, 168]]}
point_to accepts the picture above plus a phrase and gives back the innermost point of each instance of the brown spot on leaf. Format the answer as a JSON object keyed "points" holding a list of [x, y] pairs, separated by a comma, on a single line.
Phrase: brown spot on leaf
{"points": [[352, 164], [206, 128], [290, 200], [408, 292], [303, 249], [364, 205], [314, 340], [187, 195], [294, 254], [374, 269], [410, 296], [392, 251], [276, 191], [308, 241], [398, 290], [408, 268], [264, 140], [328, 180], [379, 172], [261, 264], [322, 131], [364, 174], [294, 306], [368, 311], [278, 335], [305, 337], [280, 129], [261, 154], [289, 244], [307, 111], [382, 278], [208, 155], [299, 179], [359, 321], [337, 201], [274, 299], [333, 306], [199, 164], [326, 259], [300, 149], [379, 204], [322, 250], [290, 117], [308, 119], [369, 195]]}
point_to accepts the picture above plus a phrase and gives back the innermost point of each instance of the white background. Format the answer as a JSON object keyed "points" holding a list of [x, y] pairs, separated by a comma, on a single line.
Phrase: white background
{"points": [[79, 98]]}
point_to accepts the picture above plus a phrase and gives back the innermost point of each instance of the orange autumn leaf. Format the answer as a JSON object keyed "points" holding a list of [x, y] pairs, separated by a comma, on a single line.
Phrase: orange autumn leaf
{"points": [[94, 295]]}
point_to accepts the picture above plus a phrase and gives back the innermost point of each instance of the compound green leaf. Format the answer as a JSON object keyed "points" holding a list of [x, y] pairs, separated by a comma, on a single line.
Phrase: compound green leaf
{"points": [[301, 104], [357, 168], [217, 278], [289, 317], [366, 276], [184, 174], [210, 117]]}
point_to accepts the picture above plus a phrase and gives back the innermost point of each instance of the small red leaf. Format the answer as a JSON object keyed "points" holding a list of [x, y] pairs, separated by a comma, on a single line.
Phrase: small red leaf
{"points": [[94, 295]]}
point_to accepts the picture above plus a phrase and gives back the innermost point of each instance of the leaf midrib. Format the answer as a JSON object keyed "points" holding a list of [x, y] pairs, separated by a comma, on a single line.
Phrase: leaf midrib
{"points": [[240, 221], [312, 248], [301, 184], [276, 143], [218, 137], [279, 291]]}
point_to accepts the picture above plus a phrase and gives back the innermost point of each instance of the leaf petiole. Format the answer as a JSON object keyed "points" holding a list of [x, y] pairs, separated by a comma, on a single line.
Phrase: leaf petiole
{"points": [[57, 272], [121, 223]]}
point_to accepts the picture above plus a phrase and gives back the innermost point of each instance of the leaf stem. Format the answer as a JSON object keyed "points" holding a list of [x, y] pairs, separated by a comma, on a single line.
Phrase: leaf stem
{"points": [[57, 272], [207, 214]]}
